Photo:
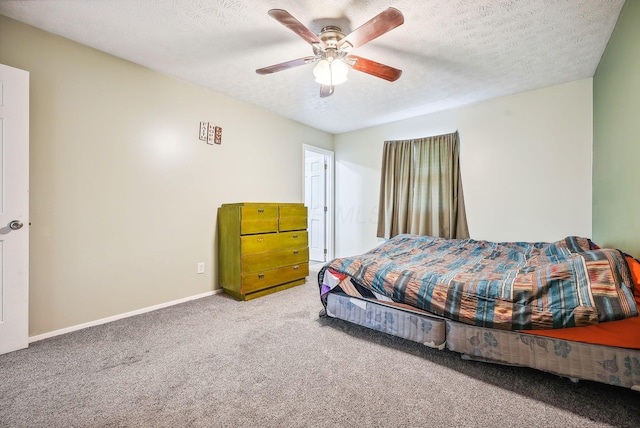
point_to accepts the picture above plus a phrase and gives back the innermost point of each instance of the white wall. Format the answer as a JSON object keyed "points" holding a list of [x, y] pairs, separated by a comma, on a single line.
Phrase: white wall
{"points": [[525, 160], [124, 195]]}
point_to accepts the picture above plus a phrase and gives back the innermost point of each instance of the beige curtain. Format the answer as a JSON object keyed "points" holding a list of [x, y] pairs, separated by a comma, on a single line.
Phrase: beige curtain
{"points": [[421, 189]]}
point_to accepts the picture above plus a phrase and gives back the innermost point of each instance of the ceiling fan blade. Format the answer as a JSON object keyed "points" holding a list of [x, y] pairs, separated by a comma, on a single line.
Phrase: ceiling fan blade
{"points": [[326, 90], [385, 21], [286, 19], [375, 68], [286, 65]]}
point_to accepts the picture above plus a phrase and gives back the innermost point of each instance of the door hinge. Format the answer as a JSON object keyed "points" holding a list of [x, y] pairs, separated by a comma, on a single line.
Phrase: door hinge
{"points": [[325, 209], [325, 251], [325, 166]]}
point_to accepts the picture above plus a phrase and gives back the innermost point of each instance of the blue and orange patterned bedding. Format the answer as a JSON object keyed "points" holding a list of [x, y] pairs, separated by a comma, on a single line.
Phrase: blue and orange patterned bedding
{"points": [[509, 285]]}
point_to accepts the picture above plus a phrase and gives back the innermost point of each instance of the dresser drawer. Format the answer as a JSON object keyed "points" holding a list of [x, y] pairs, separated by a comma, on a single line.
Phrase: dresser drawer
{"points": [[293, 217], [263, 261], [258, 219], [260, 280], [252, 244]]}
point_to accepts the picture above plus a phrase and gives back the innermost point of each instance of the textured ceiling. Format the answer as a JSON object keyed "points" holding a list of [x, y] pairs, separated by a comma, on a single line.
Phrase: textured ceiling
{"points": [[452, 52]]}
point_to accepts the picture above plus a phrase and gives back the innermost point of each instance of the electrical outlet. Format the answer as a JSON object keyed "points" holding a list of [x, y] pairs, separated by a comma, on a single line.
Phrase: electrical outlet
{"points": [[201, 267]]}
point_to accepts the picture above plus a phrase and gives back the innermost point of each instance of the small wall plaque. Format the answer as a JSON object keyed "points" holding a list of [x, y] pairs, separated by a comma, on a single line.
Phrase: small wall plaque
{"points": [[210, 133]]}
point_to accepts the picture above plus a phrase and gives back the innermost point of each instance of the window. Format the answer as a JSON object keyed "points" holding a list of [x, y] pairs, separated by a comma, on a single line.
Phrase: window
{"points": [[421, 188]]}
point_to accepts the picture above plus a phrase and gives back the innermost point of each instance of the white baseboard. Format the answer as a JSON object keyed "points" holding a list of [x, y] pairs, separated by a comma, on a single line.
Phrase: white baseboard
{"points": [[120, 316]]}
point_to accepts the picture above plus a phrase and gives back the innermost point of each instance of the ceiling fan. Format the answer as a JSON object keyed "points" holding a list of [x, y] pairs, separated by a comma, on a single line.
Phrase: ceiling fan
{"points": [[331, 49]]}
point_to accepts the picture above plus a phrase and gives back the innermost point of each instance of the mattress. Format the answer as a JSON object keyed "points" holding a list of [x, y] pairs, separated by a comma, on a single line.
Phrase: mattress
{"points": [[420, 328], [618, 334], [509, 286], [576, 360], [607, 353]]}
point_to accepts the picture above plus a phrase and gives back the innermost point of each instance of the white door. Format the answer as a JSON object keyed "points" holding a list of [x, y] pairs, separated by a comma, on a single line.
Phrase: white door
{"points": [[14, 209], [315, 165]]}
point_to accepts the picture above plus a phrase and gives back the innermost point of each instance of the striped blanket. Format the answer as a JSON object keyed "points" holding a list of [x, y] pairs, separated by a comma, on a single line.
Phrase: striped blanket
{"points": [[509, 285]]}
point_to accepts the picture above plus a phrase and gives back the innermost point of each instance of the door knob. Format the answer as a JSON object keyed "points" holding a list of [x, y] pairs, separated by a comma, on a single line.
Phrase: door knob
{"points": [[15, 225]]}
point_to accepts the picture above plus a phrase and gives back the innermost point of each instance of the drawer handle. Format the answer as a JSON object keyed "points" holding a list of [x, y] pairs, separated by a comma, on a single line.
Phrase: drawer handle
{"points": [[296, 267], [295, 236], [296, 252], [260, 239], [261, 210], [260, 276]]}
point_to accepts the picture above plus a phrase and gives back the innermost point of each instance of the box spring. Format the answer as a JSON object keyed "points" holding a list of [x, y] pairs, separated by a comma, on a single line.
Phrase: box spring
{"points": [[576, 360], [429, 331]]}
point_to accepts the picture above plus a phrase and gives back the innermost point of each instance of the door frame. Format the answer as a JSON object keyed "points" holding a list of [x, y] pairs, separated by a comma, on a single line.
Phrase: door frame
{"points": [[329, 191]]}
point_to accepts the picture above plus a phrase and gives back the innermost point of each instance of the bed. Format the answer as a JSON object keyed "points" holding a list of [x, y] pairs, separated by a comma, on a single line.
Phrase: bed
{"points": [[567, 307]]}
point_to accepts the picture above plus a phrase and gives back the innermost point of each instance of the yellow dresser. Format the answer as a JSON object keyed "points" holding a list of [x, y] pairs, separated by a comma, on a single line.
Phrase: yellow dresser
{"points": [[262, 248]]}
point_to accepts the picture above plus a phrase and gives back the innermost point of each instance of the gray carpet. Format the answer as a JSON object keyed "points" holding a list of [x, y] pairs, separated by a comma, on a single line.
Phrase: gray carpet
{"points": [[272, 362]]}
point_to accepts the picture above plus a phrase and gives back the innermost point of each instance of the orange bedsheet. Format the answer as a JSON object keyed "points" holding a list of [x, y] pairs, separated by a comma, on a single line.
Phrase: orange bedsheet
{"points": [[622, 334]]}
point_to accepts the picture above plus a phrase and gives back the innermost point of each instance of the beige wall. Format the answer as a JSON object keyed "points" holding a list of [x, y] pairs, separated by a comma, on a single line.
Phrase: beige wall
{"points": [[616, 149], [123, 193], [525, 161]]}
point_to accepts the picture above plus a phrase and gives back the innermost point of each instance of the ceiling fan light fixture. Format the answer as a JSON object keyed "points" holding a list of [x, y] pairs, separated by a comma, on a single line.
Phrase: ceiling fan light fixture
{"points": [[332, 49], [331, 72]]}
